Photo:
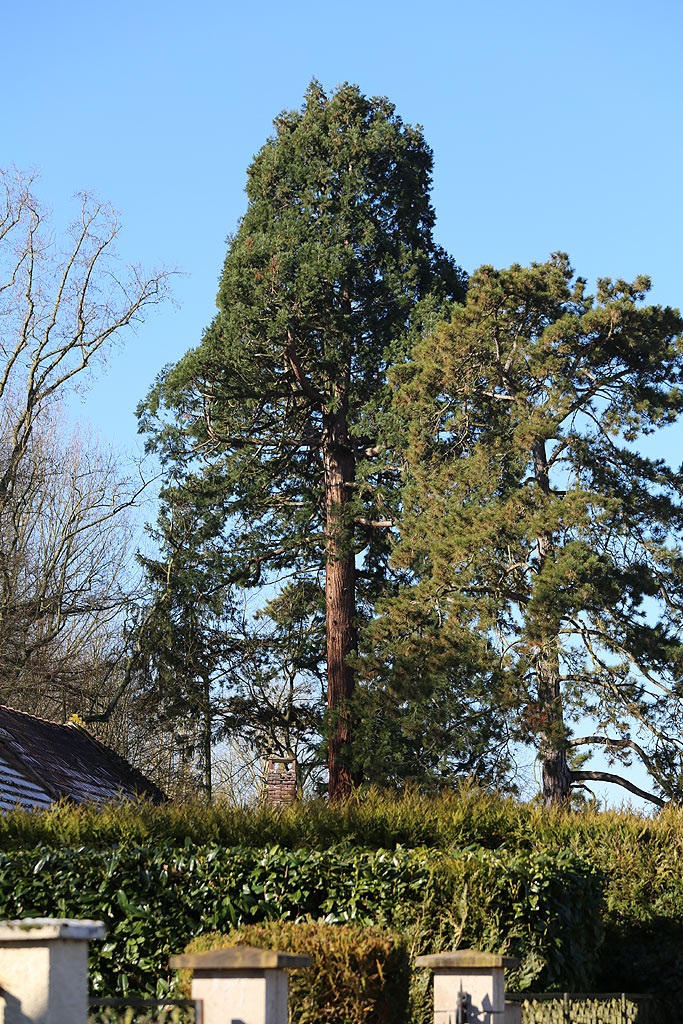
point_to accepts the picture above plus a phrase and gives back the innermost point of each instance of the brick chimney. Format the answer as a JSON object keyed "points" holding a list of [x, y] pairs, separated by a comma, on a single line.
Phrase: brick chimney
{"points": [[281, 780]]}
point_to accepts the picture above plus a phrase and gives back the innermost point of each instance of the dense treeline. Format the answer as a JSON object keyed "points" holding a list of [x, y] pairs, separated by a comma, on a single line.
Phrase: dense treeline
{"points": [[432, 488], [406, 522]]}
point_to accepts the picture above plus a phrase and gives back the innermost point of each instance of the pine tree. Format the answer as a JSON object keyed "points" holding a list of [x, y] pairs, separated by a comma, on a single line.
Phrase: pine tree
{"points": [[183, 646], [538, 527], [280, 408]]}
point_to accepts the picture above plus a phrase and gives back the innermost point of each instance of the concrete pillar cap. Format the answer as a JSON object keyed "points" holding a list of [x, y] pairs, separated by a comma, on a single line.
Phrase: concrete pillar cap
{"points": [[236, 958], [41, 929], [465, 959]]}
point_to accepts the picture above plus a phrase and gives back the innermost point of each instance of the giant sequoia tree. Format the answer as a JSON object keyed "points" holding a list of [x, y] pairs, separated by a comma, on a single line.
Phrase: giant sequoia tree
{"points": [[277, 414], [539, 528]]}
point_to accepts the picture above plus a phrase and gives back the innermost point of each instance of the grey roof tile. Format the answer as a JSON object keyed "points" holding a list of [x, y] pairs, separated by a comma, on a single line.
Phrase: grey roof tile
{"points": [[42, 761]]}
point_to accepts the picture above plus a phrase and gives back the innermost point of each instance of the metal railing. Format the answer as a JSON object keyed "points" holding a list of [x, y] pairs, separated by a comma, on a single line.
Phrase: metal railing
{"points": [[585, 1007], [144, 1011]]}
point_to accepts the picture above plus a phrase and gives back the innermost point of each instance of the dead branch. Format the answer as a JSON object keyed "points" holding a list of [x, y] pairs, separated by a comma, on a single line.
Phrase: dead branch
{"points": [[617, 780]]}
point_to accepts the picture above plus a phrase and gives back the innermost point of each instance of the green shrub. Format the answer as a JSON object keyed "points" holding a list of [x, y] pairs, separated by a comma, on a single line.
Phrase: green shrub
{"points": [[373, 820], [359, 975], [543, 908], [614, 1009]]}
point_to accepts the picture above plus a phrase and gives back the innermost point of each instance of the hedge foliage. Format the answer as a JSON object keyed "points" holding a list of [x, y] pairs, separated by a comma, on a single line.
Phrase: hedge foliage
{"points": [[544, 909], [358, 975], [373, 821], [471, 868], [614, 1009]]}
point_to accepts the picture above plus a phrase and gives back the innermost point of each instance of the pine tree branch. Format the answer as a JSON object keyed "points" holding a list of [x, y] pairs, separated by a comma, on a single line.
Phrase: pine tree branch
{"points": [[622, 743], [617, 780], [311, 393]]}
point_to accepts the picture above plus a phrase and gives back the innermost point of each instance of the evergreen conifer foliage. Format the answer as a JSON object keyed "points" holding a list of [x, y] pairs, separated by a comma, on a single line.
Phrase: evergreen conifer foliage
{"points": [[537, 524], [279, 409]]}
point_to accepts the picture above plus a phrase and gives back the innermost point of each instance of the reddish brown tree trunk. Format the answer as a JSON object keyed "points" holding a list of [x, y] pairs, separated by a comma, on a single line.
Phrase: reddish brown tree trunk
{"points": [[340, 603]]}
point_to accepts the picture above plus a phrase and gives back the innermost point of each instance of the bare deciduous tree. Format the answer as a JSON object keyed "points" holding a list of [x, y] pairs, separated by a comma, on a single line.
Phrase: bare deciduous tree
{"points": [[66, 537], [64, 532]]}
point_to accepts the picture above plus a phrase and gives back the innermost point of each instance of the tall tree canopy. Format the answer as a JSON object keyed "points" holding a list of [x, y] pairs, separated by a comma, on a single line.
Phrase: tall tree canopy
{"points": [[539, 528], [276, 418]]}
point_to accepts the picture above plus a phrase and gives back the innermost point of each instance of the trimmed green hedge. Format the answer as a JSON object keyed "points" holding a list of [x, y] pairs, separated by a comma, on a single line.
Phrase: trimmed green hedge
{"points": [[612, 1009], [543, 908], [456, 820], [634, 862]]}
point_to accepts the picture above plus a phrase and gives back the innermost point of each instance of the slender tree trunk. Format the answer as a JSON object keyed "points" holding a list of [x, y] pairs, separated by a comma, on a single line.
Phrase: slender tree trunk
{"points": [[340, 602], [207, 742], [556, 776]]}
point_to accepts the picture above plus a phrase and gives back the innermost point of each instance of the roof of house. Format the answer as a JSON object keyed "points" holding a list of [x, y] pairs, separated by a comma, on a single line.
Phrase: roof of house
{"points": [[42, 762]]}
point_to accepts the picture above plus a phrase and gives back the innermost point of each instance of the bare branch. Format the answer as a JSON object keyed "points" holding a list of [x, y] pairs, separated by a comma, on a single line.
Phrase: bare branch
{"points": [[65, 538], [620, 743], [375, 523], [617, 780], [58, 310]]}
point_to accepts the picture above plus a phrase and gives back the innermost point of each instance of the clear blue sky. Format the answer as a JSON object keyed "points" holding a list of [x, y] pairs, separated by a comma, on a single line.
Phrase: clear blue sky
{"points": [[553, 125]]}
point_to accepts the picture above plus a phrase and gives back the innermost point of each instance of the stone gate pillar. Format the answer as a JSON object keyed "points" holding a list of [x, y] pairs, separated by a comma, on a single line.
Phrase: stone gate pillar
{"points": [[470, 986], [241, 983], [44, 969]]}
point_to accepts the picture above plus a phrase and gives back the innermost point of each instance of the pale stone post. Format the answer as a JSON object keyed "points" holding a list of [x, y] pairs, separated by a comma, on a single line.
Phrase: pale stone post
{"points": [[44, 969], [470, 986], [241, 985]]}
